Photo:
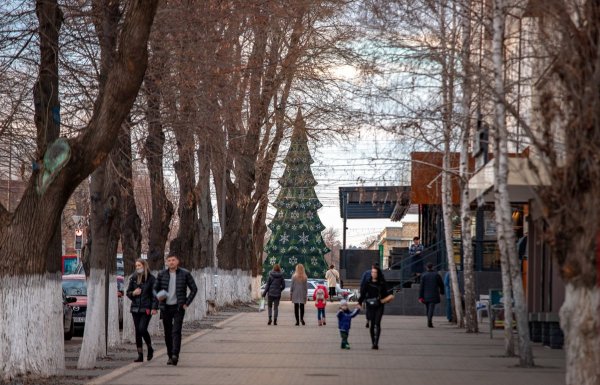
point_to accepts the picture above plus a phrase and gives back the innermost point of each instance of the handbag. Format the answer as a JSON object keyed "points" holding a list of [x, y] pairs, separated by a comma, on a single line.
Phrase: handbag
{"points": [[373, 302]]}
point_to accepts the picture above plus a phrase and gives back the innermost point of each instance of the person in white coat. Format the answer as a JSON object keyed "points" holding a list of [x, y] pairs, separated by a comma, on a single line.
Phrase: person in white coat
{"points": [[333, 277]]}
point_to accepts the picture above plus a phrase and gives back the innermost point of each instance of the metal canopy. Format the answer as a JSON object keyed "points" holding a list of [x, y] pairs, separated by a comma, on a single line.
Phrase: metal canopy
{"points": [[374, 202]]}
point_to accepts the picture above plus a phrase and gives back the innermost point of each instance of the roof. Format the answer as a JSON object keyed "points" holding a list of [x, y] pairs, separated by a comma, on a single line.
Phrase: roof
{"points": [[371, 202]]}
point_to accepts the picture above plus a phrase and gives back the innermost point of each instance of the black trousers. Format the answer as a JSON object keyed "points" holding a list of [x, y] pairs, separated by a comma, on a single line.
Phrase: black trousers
{"points": [[430, 310], [141, 322], [273, 306], [172, 317], [374, 314], [299, 311]]}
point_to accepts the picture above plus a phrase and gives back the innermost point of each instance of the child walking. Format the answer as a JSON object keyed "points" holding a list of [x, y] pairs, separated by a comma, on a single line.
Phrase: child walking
{"points": [[344, 320], [320, 297]]}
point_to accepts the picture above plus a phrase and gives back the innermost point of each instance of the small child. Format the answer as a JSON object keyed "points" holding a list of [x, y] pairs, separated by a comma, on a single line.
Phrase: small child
{"points": [[344, 320], [320, 297]]}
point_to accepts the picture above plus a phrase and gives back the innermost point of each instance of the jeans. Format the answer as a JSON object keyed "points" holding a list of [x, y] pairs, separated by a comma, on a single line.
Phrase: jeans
{"points": [[374, 314], [141, 321], [172, 317], [320, 314], [299, 311], [344, 335], [273, 302], [449, 308]]}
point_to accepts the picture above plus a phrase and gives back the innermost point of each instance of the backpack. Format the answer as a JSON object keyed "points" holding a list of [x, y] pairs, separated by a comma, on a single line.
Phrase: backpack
{"points": [[320, 294]]}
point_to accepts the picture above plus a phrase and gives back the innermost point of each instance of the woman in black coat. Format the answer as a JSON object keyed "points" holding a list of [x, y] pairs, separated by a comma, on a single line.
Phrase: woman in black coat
{"points": [[429, 294], [374, 294], [273, 288], [143, 306]]}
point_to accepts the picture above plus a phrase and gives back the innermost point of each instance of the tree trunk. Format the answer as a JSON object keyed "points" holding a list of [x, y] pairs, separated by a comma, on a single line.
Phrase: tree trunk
{"points": [[26, 234], [580, 321], [131, 237], [465, 208], [102, 214], [187, 211], [204, 238], [34, 282], [162, 208], [447, 77], [499, 17], [448, 230]]}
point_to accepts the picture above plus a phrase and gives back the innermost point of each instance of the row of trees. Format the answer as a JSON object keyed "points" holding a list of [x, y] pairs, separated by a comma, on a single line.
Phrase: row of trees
{"points": [[529, 71], [205, 89], [199, 92]]}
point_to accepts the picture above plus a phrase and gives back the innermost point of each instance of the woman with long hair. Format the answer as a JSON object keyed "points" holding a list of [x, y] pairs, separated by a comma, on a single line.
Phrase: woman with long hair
{"points": [[274, 287], [143, 306], [299, 292], [375, 294]]}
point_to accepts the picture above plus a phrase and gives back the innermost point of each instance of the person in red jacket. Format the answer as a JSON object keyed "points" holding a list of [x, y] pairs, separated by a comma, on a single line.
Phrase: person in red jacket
{"points": [[320, 297]]}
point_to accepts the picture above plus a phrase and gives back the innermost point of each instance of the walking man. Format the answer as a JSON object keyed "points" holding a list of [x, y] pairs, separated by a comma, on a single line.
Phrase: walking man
{"points": [[171, 290], [333, 277], [431, 289]]}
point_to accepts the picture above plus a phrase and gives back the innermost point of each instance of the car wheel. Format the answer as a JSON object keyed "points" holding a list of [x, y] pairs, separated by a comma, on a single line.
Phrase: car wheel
{"points": [[69, 334]]}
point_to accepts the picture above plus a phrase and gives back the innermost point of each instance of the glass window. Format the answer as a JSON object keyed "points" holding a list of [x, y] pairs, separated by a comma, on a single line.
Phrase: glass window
{"points": [[74, 287]]}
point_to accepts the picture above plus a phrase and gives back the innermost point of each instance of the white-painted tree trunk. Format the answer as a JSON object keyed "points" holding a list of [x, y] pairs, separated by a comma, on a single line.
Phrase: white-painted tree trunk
{"points": [[94, 343], [128, 332], [197, 310], [26, 303], [233, 286], [580, 322], [114, 335], [256, 283]]}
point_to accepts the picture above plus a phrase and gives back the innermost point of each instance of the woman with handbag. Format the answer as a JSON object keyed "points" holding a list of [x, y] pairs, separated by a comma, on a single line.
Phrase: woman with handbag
{"points": [[374, 294], [275, 285], [143, 306]]}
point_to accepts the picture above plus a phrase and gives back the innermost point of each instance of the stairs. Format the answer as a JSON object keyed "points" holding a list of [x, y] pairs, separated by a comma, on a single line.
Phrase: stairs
{"points": [[406, 302]]}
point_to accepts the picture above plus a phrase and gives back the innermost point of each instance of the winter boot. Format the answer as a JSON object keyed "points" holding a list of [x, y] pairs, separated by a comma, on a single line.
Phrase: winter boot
{"points": [[270, 320], [150, 352], [275, 321], [140, 355]]}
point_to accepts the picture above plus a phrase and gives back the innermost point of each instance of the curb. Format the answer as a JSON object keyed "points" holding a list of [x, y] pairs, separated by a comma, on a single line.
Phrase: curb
{"points": [[157, 354]]}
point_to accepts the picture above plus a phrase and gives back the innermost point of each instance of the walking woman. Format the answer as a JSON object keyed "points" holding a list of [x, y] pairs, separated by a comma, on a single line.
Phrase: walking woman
{"points": [[274, 287], [299, 292], [143, 306], [374, 294]]}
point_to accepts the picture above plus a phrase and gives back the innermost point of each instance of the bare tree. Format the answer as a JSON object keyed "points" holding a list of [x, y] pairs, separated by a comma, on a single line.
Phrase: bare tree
{"points": [[26, 233]]}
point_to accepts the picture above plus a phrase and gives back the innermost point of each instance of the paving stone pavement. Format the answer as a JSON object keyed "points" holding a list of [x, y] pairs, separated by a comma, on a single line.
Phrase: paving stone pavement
{"points": [[244, 350]]}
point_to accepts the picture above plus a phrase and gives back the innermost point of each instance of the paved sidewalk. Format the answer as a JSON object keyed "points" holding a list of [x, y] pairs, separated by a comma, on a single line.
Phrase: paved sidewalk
{"points": [[244, 350]]}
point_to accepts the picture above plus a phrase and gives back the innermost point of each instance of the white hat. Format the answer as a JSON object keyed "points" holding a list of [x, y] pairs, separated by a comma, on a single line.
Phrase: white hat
{"points": [[343, 303]]}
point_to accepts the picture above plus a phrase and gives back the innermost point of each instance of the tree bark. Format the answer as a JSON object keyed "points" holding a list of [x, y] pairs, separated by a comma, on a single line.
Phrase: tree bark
{"points": [[465, 208], [25, 235], [499, 17], [204, 239], [448, 84], [162, 208]]}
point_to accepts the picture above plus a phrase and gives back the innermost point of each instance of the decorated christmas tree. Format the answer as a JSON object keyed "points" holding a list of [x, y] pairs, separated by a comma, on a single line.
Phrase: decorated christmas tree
{"points": [[296, 227]]}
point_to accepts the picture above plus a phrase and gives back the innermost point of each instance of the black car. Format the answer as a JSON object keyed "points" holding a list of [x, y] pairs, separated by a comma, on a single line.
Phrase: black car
{"points": [[68, 322]]}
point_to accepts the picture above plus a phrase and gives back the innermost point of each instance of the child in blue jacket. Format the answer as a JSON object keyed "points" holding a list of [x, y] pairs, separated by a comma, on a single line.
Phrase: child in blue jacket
{"points": [[344, 320]]}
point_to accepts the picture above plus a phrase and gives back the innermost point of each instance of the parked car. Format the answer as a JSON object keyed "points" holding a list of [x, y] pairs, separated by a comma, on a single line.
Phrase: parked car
{"points": [[74, 285], [68, 322]]}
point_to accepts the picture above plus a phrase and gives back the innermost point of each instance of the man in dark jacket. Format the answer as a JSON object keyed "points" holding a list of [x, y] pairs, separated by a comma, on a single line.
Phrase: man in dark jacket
{"points": [[432, 287], [171, 290]]}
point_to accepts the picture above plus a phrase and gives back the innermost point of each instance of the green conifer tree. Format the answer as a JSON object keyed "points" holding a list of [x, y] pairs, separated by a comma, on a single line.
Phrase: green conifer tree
{"points": [[296, 228]]}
